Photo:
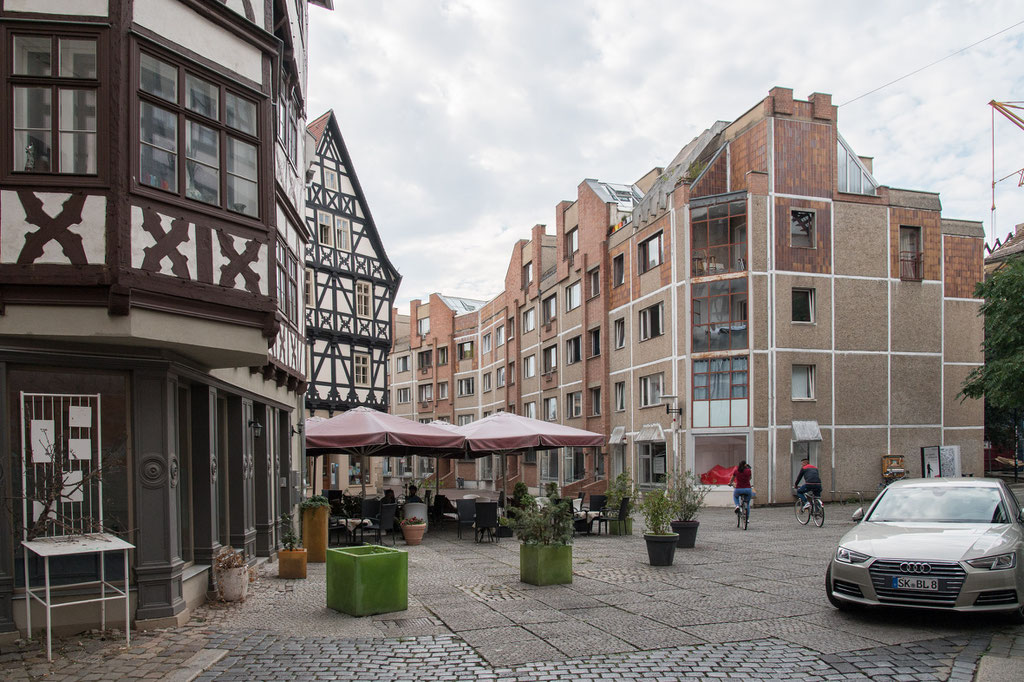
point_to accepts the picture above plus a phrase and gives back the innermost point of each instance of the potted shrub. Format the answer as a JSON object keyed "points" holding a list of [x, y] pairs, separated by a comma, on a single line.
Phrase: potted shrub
{"points": [[687, 496], [291, 559], [362, 581], [316, 512], [661, 542], [505, 525], [620, 488], [413, 529], [231, 574], [545, 550]]}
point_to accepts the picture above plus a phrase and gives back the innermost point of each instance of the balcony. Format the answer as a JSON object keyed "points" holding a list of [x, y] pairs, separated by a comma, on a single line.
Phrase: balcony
{"points": [[912, 265]]}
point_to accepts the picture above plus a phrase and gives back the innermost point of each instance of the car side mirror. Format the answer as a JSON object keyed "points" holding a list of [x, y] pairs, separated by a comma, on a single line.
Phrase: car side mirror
{"points": [[858, 515]]}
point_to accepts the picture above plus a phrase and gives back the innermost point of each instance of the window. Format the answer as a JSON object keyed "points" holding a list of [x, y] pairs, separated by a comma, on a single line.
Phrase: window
{"points": [[288, 126], [442, 356], [330, 179], [310, 288], [287, 283], [801, 229], [402, 363], [573, 350], [527, 274], [651, 321], [442, 390], [551, 409], [719, 238], [404, 395], [594, 282], [572, 241], [720, 378], [511, 373], [574, 404], [342, 230], [499, 335], [620, 332], [549, 309], [528, 321], [852, 176], [650, 389], [620, 396], [466, 386], [511, 327], [529, 366], [425, 359], [530, 410], [325, 231], [649, 253], [487, 382], [803, 305], [595, 341], [572, 296], [464, 350], [573, 460], [550, 358], [423, 328], [723, 451], [465, 419], [548, 465], [361, 369], [426, 392], [363, 305], [181, 111], [55, 93], [720, 315], [595, 401], [911, 255], [499, 376], [599, 466], [803, 382], [486, 343], [618, 270], [652, 463]]}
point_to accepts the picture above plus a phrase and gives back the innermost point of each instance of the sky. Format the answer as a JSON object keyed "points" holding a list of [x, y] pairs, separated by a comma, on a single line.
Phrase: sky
{"points": [[468, 120]]}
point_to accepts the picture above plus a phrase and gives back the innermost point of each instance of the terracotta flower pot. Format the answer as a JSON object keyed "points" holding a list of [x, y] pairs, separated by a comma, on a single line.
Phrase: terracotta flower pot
{"points": [[414, 533], [291, 563], [314, 533]]}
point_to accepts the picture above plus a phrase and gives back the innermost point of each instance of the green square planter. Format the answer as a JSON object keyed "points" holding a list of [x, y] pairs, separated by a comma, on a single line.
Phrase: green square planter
{"points": [[545, 564], [620, 527], [362, 581]]}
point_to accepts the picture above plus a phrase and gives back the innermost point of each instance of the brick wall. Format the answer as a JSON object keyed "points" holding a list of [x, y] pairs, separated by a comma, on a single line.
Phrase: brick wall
{"points": [[964, 266], [930, 223], [748, 152], [816, 260], [804, 157]]}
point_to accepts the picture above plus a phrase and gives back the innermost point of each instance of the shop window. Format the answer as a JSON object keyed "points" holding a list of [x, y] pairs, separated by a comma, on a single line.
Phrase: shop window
{"points": [[720, 315], [653, 463], [723, 452], [649, 253], [803, 382], [803, 305], [719, 242], [802, 229]]}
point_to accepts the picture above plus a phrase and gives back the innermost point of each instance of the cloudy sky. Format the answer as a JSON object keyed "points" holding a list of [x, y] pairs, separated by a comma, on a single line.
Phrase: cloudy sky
{"points": [[468, 120]]}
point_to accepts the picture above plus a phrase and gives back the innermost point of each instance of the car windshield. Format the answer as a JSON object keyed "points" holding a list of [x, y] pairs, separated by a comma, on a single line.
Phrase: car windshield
{"points": [[937, 504]]}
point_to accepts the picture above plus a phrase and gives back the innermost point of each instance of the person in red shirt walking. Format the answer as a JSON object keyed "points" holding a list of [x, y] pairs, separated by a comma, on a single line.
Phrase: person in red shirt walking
{"points": [[740, 483]]}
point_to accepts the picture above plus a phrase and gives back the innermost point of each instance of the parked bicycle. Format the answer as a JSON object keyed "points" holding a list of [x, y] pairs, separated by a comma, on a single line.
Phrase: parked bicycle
{"points": [[743, 513], [814, 509]]}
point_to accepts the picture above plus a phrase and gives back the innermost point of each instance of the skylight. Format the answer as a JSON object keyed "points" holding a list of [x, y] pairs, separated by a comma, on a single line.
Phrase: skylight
{"points": [[854, 178]]}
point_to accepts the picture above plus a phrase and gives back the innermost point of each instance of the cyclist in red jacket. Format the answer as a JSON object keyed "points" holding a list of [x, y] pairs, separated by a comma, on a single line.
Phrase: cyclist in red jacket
{"points": [[812, 481]]}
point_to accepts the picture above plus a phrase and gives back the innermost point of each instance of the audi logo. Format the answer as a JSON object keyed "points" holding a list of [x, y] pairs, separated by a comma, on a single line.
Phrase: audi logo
{"points": [[915, 567]]}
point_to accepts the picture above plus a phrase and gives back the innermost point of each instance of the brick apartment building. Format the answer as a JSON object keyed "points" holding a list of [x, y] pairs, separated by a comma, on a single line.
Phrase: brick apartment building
{"points": [[763, 286]]}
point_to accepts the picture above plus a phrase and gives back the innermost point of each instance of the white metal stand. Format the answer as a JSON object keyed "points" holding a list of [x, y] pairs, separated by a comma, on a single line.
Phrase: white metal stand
{"points": [[96, 543]]}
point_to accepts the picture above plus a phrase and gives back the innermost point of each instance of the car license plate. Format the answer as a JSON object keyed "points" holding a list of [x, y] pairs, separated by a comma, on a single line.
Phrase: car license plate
{"points": [[927, 584]]}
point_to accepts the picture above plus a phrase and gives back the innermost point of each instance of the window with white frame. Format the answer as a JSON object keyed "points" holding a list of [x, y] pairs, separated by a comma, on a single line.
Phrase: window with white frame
{"points": [[486, 382], [423, 326], [527, 274], [310, 287], [466, 386], [573, 350], [653, 461], [574, 404], [852, 176], [363, 305], [511, 373], [620, 396], [330, 179], [499, 335], [485, 468], [551, 409], [464, 350], [652, 321], [426, 392], [342, 233], [649, 253], [425, 359], [572, 296], [572, 241], [404, 395], [595, 341], [529, 320], [485, 344], [499, 377], [549, 359], [594, 281], [530, 410], [620, 333], [803, 382], [465, 419], [511, 327], [595, 401], [618, 270], [402, 363], [361, 369], [574, 462], [803, 305], [650, 389], [442, 390], [529, 366], [325, 222], [548, 460], [549, 309], [442, 356]]}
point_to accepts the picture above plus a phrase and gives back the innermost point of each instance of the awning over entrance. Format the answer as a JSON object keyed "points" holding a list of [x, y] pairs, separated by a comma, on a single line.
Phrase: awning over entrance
{"points": [[806, 431], [618, 435], [650, 433]]}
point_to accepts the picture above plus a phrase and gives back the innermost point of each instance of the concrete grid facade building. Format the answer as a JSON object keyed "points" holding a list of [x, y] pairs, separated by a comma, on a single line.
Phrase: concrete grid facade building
{"points": [[763, 284], [152, 193]]}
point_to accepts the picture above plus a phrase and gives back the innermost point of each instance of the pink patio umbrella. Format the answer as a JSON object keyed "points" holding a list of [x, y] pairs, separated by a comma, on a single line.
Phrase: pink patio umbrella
{"points": [[365, 432], [503, 433]]}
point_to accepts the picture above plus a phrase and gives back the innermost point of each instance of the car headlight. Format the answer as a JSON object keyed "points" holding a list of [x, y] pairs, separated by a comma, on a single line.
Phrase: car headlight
{"points": [[848, 556], [998, 562]]}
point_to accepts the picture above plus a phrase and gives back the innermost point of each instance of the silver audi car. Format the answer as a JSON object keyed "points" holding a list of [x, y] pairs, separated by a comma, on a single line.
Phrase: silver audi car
{"points": [[950, 544]]}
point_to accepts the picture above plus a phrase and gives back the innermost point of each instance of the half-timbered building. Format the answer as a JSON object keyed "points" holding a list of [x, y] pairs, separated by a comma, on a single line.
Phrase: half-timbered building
{"points": [[350, 288], [152, 191]]}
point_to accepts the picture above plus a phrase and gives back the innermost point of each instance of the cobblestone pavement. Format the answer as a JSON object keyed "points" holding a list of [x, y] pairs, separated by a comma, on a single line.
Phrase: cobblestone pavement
{"points": [[741, 605]]}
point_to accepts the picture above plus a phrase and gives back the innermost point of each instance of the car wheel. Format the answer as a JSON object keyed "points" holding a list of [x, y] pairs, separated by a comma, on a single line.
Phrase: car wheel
{"points": [[835, 601]]}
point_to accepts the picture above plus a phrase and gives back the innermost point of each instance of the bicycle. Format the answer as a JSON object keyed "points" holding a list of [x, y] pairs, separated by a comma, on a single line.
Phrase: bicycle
{"points": [[743, 515], [815, 511]]}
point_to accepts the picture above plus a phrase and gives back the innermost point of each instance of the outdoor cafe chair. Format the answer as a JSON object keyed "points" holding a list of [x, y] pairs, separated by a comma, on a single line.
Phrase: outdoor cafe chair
{"points": [[466, 514], [621, 516], [371, 508], [384, 524], [597, 502], [486, 520]]}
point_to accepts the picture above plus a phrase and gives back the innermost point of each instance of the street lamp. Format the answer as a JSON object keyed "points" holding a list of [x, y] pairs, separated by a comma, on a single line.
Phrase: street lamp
{"points": [[676, 412]]}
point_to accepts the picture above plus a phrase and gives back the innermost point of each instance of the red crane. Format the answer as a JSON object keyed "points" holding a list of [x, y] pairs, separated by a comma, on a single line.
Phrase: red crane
{"points": [[1009, 110]]}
